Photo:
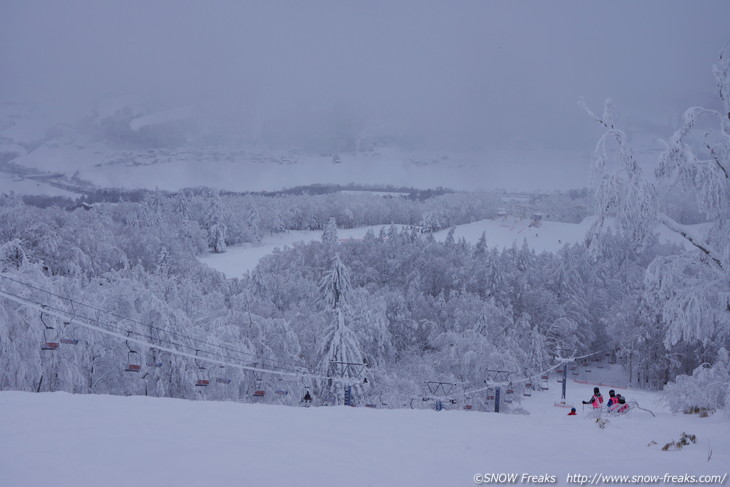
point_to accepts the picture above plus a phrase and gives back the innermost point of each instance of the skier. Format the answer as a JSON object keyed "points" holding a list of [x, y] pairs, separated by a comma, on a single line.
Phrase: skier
{"points": [[572, 412], [612, 399], [307, 398], [596, 400]]}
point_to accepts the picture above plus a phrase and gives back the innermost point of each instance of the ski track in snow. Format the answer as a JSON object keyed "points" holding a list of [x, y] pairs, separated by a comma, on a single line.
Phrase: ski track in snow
{"points": [[91, 440]]}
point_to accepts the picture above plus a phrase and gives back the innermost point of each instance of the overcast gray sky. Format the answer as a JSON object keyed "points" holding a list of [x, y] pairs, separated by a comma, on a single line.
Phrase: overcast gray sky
{"points": [[450, 74]]}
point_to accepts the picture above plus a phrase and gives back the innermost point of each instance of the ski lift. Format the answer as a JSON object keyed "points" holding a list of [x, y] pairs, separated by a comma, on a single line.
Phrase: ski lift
{"points": [[509, 396], [50, 336], [134, 362], [203, 378], [222, 379], [66, 339], [468, 407], [258, 391], [544, 384], [588, 369], [152, 359], [527, 392]]}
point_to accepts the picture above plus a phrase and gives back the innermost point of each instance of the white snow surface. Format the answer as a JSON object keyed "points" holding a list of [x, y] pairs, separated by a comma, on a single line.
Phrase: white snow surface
{"points": [[90, 440], [550, 236], [10, 183]]}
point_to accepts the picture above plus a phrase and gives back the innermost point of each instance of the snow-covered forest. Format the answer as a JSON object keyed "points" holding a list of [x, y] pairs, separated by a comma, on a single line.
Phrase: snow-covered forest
{"points": [[364, 243], [407, 307], [402, 307]]}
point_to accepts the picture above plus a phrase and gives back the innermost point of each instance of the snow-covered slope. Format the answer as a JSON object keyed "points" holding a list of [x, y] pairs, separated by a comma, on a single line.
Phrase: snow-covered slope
{"points": [[62, 439], [549, 236]]}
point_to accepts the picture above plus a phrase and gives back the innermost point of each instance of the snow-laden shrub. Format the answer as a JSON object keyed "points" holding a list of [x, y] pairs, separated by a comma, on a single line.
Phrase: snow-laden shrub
{"points": [[707, 389]]}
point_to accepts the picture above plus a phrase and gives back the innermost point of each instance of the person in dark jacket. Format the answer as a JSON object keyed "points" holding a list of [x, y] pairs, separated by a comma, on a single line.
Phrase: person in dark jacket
{"points": [[596, 400]]}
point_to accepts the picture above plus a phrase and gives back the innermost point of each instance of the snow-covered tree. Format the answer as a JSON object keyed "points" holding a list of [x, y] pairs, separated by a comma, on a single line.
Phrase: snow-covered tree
{"points": [[329, 235], [689, 291], [339, 344]]}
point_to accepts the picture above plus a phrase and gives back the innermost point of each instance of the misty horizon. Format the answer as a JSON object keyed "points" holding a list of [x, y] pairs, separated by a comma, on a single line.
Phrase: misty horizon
{"points": [[470, 76]]}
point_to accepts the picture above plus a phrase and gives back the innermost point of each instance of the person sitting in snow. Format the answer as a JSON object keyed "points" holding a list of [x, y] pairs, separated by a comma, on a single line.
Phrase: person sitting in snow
{"points": [[307, 398], [616, 403], [596, 400], [612, 399], [572, 412]]}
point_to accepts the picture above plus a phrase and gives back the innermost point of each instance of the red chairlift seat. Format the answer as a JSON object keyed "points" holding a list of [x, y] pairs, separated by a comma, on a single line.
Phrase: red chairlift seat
{"points": [[70, 341], [133, 362], [202, 382], [259, 393], [468, 407], [50, 337]]}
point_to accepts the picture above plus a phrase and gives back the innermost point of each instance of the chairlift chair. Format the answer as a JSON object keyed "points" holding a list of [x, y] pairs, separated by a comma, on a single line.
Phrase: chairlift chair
{"points": [[152, 359], [50, 336], [222, 379], [133, 362], [203, 378], [509, 396], [50, 339], [67, 339]]}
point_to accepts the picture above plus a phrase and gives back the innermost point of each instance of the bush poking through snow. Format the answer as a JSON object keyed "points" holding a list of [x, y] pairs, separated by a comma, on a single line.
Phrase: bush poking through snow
{"points": [[684, 440]]}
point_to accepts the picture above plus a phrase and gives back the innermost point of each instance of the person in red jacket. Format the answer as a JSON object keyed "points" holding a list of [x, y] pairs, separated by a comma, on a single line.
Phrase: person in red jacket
{"points": [[596, 400], [572, 412]]}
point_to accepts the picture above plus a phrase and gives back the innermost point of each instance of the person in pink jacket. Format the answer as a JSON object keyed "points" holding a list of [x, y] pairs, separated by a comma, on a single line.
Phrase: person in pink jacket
{"points": [[596, 400]]}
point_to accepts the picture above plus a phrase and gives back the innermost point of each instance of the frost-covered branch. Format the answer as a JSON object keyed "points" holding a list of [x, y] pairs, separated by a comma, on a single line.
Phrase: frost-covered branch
{"points": [[670, 224]]}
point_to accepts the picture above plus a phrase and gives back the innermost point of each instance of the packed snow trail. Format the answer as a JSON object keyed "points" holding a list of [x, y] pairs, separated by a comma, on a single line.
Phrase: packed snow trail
{"points": [[91, 440]]}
